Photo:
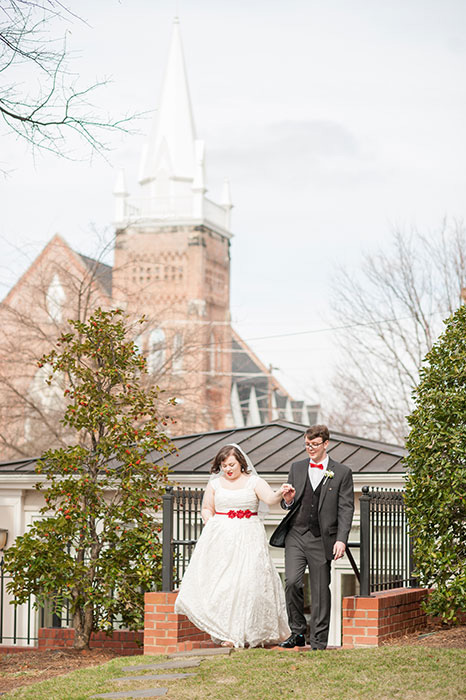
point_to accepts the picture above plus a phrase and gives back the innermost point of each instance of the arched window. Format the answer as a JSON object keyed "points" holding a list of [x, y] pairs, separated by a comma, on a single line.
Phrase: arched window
{"points": [[43, 398], [54, 299], [156, 350]]}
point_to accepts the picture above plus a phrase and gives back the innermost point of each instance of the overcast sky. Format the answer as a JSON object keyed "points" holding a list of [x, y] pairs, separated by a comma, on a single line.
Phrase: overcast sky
{"points": [[334, 120]]}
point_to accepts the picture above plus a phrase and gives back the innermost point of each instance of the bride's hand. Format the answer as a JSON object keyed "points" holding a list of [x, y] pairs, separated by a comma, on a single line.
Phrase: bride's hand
{"points": [[288, 492]]}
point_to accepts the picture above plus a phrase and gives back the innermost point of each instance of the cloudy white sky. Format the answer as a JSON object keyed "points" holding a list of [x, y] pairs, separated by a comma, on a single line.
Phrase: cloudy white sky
{"points": [[334, 120]]}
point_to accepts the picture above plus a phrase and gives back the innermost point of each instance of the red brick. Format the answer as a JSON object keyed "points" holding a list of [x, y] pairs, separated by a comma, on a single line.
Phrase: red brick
{"points": [[367, 603], [154, 597], [365, 623], [167, 625], [155, 617], [155, 650], [365, 641], [171, 597], [165, 608], [175, 616], [150, 624]]}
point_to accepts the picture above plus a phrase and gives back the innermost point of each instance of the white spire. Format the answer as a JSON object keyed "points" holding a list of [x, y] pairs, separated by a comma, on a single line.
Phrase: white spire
{"points": [[172, 170], [120, 193], [171, 141], [226, 202]]}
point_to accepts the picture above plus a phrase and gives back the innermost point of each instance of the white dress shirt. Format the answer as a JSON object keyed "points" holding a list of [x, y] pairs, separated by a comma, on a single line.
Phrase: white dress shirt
{"points": [[316, 475]]}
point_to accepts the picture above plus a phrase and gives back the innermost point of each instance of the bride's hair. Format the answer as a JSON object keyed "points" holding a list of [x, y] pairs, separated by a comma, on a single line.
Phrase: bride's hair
{"points": [[224, 453]]}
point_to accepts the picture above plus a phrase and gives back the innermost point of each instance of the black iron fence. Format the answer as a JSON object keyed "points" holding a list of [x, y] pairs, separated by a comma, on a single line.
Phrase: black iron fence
{"points": [[385, 544], [385, 559], [18, 623], [182, 525]]}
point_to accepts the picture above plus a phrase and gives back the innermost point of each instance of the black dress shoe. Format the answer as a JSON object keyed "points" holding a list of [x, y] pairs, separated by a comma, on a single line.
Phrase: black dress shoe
{"points": [[295, 640]]}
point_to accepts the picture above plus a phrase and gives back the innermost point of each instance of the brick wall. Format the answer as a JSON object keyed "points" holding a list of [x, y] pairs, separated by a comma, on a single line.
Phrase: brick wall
{"points": [[166, 632], [122, 642], [369, 621]]}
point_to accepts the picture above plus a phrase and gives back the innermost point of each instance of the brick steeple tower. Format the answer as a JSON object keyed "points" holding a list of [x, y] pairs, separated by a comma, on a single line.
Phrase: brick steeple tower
{"points": [[172, 259]]}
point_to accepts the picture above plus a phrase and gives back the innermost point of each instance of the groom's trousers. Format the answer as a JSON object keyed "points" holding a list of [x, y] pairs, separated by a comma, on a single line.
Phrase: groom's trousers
{"points": [[301, 550]]}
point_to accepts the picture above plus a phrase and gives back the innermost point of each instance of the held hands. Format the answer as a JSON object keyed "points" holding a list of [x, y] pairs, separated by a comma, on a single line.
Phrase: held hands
{"points": [[288, 492]]}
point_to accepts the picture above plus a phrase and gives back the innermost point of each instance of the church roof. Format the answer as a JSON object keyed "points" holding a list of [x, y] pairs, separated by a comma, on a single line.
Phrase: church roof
{"points": [[272, 448], [251, 376], [102, 272]]}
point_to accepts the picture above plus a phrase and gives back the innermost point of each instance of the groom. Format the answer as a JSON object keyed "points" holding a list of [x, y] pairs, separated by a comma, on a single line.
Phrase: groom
{"points": [[320, 505]]}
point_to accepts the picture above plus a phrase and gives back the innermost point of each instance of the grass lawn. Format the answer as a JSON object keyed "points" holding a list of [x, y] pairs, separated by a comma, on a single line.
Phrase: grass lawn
{"points": [[407, 673]]}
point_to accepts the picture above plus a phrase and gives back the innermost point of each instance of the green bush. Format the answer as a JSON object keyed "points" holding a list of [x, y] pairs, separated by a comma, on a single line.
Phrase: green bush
{"points": [[97, 547], [436, 480]]}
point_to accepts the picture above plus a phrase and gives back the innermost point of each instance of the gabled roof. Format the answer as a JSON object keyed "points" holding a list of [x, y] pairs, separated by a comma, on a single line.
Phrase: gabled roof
{"points": [[271, 447], [101, 272]]}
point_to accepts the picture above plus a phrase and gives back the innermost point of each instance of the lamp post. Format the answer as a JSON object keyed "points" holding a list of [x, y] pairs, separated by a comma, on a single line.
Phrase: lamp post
{"points": [[3, 538]]}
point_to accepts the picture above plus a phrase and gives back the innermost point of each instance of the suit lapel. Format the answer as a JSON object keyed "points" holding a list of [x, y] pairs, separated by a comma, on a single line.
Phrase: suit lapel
{"points": [[325, 483], [301, 479]]}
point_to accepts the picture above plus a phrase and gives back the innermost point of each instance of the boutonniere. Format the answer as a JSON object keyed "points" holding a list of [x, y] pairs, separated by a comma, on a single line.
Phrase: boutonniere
{"points": [[329, 474]]}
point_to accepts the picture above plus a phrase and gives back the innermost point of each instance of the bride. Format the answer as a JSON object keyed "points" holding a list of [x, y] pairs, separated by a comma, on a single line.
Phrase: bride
{"points": [[231, 589]]}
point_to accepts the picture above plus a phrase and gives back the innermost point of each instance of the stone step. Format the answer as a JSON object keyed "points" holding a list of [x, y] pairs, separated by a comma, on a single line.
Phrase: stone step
{"points": [[215, 651], [155, 677], [176, 663], [148, 693]]}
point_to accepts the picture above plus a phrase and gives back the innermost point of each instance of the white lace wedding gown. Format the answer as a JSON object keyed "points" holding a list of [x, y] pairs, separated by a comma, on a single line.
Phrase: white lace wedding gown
{"points": [[231, 589]]}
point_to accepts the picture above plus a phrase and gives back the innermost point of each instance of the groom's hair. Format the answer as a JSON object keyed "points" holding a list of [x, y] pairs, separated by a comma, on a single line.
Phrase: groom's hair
{"points": [[224, 453], [317, 431]]}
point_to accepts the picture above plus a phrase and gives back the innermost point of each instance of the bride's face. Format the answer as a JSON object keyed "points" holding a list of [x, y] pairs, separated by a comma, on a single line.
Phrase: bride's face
{"points": [[231, 468]]}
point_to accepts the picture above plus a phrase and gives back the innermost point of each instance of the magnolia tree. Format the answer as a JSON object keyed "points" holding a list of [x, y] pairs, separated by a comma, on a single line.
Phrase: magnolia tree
{"points": [[97, 547], [436, 480]]}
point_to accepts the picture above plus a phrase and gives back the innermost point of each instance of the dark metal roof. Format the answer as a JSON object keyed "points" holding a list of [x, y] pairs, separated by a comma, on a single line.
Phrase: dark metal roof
{"points": [[19, 466], [274, 446], [271, 447]]}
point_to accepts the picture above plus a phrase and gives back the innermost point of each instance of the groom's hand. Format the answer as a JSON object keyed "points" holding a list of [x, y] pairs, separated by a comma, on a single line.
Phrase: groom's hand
{"points": [[338, 549], [288, 492]]}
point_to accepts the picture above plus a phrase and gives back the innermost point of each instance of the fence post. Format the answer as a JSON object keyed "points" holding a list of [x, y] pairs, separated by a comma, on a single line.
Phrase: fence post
{"points": [[167, 546], [365, 555], [413, 581]]}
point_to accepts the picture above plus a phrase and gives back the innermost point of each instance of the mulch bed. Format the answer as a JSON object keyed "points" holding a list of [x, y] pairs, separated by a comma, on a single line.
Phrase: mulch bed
{"points": [[24, 668], [18, 669], [435, 635]]}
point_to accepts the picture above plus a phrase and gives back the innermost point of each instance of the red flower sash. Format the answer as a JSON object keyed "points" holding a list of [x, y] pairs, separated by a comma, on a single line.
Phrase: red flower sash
{"points": [[237, 513]]}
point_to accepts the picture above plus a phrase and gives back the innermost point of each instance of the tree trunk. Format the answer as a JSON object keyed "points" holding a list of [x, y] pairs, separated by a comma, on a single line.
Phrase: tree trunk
{"points": [[82, 624]]}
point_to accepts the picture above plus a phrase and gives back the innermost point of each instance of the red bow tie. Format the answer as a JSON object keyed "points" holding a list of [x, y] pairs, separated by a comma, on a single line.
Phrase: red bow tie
{"points": [[318, 466]]}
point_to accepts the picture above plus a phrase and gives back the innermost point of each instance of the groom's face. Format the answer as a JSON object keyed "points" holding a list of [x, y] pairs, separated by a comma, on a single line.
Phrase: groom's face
{"points": [[316, 448]]}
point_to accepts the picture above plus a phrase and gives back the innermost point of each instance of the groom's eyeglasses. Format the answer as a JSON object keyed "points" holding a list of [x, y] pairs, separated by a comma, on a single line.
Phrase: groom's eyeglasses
{"points": [[312, 445]]}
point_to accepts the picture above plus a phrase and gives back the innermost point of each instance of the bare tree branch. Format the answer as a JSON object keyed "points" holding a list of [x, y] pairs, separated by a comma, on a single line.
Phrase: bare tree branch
{"points": [[40, 100], [393, 313]]}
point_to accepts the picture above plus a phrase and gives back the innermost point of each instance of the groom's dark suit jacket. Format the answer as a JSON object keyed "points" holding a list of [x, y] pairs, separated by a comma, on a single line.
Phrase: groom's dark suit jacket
{"points": [[336, 504]]}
